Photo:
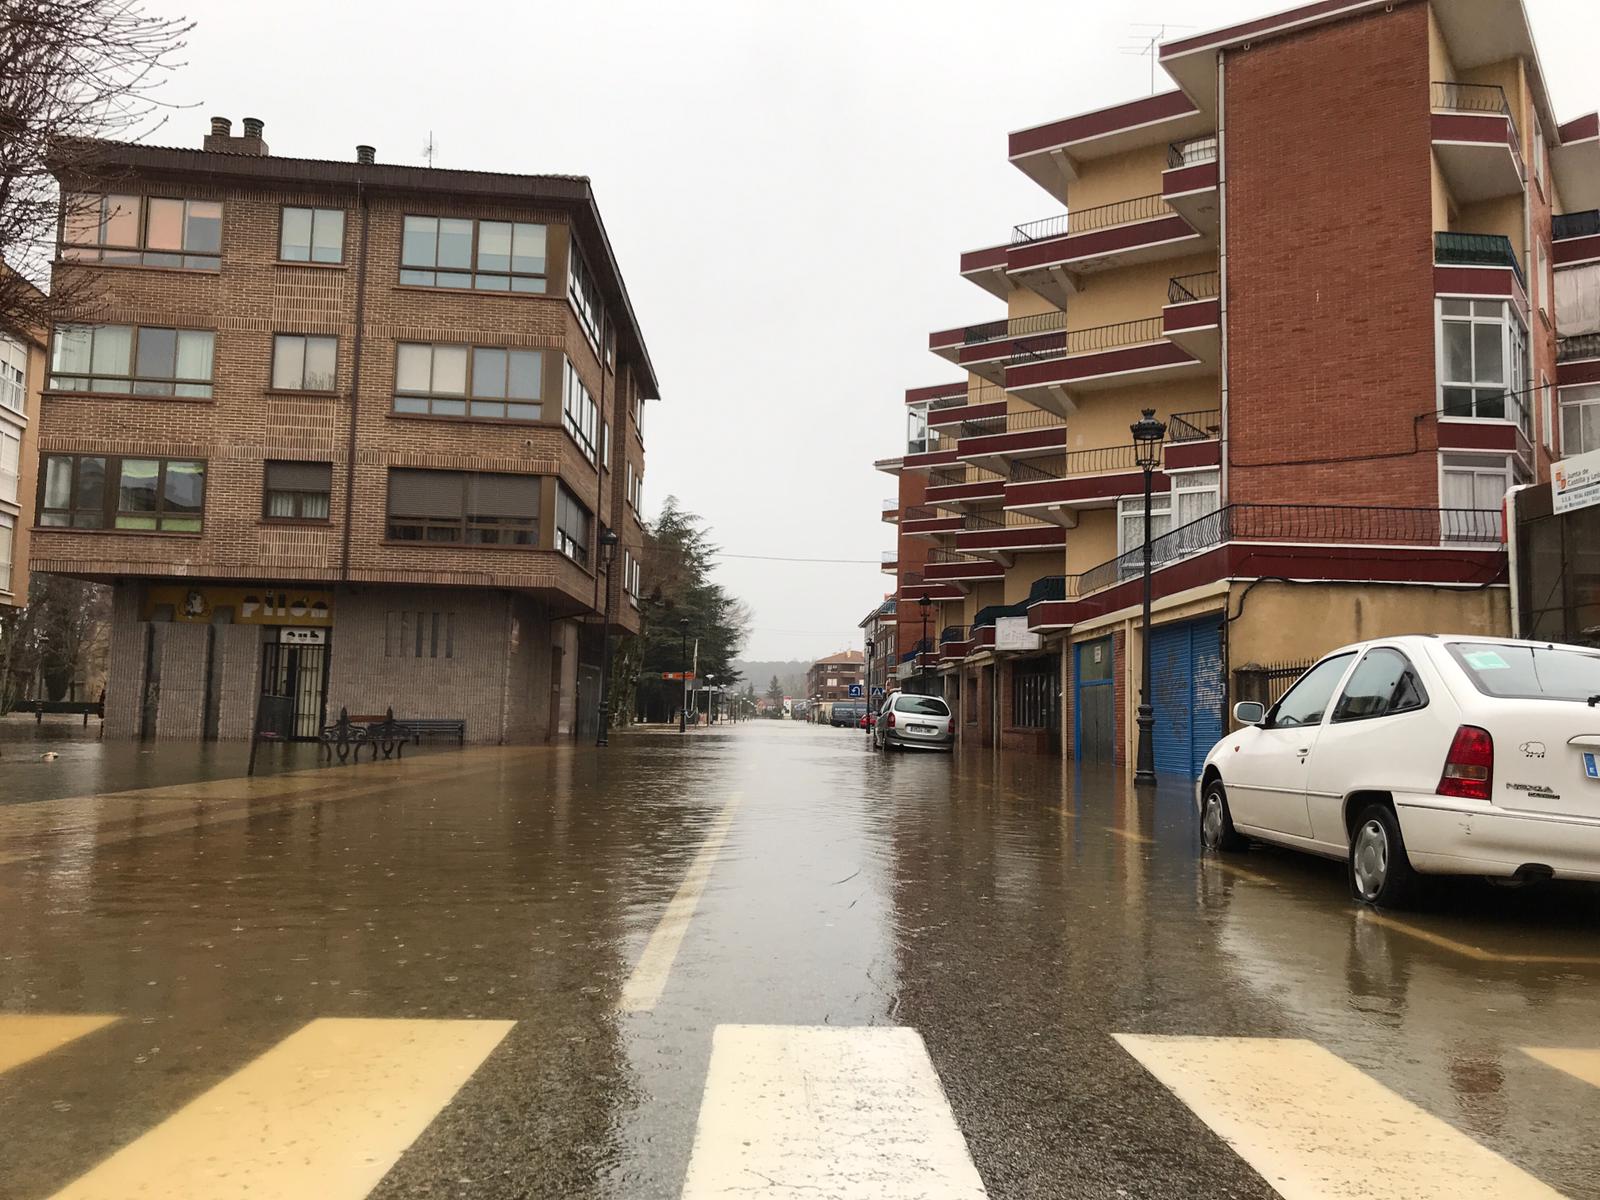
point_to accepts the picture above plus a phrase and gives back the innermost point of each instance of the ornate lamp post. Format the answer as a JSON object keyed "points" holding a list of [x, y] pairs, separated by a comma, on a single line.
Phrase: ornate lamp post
{"points": [[1148, 434], [923, 605], [866, 675], [608, 548]]}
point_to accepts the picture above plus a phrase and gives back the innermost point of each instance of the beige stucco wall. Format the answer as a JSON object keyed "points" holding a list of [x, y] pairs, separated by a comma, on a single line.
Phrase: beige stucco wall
{"points": [[1503, 216], [1025, 303], [1094, 541], [1130, 292], [1443, 202], [1029, 568], [1105, 418], [1440, 65], [1122, 176]]}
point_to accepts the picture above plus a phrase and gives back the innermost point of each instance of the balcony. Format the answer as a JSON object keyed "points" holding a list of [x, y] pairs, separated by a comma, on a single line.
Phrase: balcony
{"points": [[1002, 534], [1477, 264], [925, 521], [1476, 142], [1058, 488], [954, 567], [1576, 237], [991, 442], [1109, 356], [954, 643], [891, 562], [1578, 359], [986, 401], [1051, 256], [1192, 317], [891, 510], [914, 585], [964, 487], [983, 623], [1189, 184], [983, 349]]}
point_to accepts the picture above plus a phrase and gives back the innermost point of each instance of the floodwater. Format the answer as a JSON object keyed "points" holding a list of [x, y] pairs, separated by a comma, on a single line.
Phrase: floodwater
{"points": [[502, 972]]}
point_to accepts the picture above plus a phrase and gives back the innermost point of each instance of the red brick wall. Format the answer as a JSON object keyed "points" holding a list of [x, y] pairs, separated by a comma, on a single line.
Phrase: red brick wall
{"points": [[913, 552], [1330, 282]]}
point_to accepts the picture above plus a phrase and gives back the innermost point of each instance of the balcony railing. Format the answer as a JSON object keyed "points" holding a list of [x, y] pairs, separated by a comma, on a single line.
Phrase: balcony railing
{"points": [[1476, 250], [921, 646], [1053, 587], [952, 633], [1199, 425], [1012, 422], [1186, 289], [995, 331], [1575, 225], [1577, 347], [959, 478], [946, 402], [988, 616], [1192, 151], [1083, 220], [1088, 341], [1470, 97], [890, 557], [991, 522], [941, 555], [918, 512]]}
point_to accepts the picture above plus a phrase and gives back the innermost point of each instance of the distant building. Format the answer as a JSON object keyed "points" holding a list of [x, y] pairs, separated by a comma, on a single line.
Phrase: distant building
{"points": [[22, 372], [879, 643], [830, 678]]}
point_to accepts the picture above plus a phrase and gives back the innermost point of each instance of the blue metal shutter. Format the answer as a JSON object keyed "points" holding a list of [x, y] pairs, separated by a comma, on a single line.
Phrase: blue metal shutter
{"points": [[1186, 689], [1206, 718]]}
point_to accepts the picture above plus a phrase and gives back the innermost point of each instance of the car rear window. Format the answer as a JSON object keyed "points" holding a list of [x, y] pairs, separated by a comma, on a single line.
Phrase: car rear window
{"points": [[1529, 672], [927, 706]]}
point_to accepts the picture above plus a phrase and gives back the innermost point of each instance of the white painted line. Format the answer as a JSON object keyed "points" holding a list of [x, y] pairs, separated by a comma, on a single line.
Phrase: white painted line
{"points": [[1580, 1064], [26, 1036], [324, 1113], [850, 1114], [1314, 1126], [644, 987]]}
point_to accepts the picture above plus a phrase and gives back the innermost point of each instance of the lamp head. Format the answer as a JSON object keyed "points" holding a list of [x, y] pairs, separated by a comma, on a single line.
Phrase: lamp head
{"points": [[1148, 434]]}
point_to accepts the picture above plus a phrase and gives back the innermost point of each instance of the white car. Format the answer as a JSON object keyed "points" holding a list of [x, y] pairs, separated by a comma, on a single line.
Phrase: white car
{"points": [[908, 721], [1421, 755]]}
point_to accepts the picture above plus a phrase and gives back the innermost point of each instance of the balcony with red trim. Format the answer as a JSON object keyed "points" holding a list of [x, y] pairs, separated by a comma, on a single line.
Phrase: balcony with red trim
{"points": [[984, 349], [1053, 154], [915, 584], [986, 267], [988, 401], [891, 562], [955, 643], [993, 442], [1478, 264], [1110, 356], [1475, 141], [926, 521], [954, 567], [1001, 534], [1575, 238], [1189, 184], [1050, 257], [963, 487]]}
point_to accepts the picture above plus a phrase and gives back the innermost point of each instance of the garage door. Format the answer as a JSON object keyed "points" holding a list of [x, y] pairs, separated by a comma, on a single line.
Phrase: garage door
{"points": [[1186, 678]]}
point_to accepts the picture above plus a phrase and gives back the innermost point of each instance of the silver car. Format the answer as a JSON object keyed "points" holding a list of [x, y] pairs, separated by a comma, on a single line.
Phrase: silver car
{"points": [[914, 722]]}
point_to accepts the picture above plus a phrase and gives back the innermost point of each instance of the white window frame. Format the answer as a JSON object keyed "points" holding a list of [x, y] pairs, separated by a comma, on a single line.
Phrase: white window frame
{"points": [[1164, 507], [917, 424], [1544, 286], [8, 549], [1539, 156], [1575, 397], [10, 462], [13, 374], [1513, 355], [1506, 469]]}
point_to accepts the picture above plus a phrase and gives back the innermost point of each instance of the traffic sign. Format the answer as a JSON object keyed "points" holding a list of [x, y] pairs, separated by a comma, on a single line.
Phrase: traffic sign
{"points": [[876, 692], [855, 691]]}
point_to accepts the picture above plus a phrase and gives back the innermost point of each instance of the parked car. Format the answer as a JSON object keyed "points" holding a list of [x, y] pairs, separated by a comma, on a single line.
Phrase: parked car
{"points": [[1421, 755], [846, 713], [917, 722]]}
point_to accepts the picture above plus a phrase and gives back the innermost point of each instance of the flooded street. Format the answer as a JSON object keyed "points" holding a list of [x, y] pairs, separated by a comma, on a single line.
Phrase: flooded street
{"points": [[536, 972]]}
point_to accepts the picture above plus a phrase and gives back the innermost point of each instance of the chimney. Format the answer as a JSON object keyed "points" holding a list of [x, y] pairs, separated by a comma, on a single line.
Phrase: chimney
{"points": [[220, 136], [221, 139], [366, 154], [252, 127]]}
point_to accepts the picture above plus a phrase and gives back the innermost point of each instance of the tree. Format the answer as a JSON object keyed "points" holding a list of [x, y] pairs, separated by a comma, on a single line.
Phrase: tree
{"points": [[49, 638], [775, 691], [70, 71]]}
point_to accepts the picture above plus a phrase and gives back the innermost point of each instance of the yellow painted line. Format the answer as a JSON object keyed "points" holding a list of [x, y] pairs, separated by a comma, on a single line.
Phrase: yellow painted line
{"points": [[1128, 835], [1467, 950], [1580, 1064], [1241, 872], [27, 1036], [649, 979], [1313, 1126], [324, 1113]]}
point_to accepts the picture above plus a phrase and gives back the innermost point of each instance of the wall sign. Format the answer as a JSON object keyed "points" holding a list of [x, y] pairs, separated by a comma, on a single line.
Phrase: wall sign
{"points": [[251, 606], [294, 636], [1575, 482], [1012, 633]]}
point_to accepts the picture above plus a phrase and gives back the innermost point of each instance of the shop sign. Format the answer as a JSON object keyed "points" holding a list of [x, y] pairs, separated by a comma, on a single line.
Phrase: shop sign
{"points": [[302, 637], [1575, 482], [1012, 633], [251, 606]]}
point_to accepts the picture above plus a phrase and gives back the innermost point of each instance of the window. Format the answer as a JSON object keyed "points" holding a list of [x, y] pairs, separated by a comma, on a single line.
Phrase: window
{"points": [[1035, 693], [140, 231], [1472, 488], [463, 507], [297, 491], [1194, 495], [132, 360], [1539, 157], [1307, 700], [7, 532], [1529, 672], [630, 576], [630, 483], [1483, 364], [1543, 285], [482, 382], [1580, 419], [409, 634], [486, 256], [10, 463], [1384, 684], [585, 298], [605, 444], [13, 374], [311, 235], [921, 438], [579, 413], [304, 364], [572, 526], [82, 491]]}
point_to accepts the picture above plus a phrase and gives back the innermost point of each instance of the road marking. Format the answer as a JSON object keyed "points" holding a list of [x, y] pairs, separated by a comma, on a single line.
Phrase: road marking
{"points": [[1236, 869], [1128, 835], [1580, 1064], [644, 987], [1314, 1126], [324, 1113], [1467, 950], [806, 1111], [27, 1036]]}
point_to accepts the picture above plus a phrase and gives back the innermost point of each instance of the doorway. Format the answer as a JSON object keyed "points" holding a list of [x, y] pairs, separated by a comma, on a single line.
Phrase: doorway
{"points": [[300, 674], [1094, 701]]}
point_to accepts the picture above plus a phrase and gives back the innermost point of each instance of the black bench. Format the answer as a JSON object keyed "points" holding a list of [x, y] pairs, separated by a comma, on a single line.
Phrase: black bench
{"points": [[445, 725], [88, 708]]}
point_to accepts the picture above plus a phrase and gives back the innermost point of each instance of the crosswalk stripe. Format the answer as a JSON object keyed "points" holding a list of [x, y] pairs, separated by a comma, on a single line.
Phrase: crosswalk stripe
{"points": [[1314, 1126], [325, 1113], [26, 1036], [1580, 1064], [849, 1113]]}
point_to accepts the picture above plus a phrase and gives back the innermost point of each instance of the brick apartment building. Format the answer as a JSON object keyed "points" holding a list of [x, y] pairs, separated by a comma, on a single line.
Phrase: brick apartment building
{"points": [[348, 428], [880, 646], [22, 372], [1330, 261], [829, 679]]}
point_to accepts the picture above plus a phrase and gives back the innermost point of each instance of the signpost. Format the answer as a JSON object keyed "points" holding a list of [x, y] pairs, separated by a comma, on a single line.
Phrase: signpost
{"points": [[877, 693], [855, 691], [1575, 482]]}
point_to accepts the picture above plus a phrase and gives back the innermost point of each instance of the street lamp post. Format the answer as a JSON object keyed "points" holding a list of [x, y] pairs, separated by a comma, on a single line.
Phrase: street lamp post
{"points": [[1148, 434], [923, 605], [608, 547], [683, 698], [711, 699], [866, 674]]}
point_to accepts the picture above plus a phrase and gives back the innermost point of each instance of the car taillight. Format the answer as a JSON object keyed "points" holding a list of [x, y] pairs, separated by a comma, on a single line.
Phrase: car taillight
{"points": [[891, 720], [1469, 767]]}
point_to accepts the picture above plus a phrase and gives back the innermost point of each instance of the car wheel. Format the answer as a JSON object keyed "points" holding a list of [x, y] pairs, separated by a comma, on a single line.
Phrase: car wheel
{"points": [[1380, 872], [1217, 833]]}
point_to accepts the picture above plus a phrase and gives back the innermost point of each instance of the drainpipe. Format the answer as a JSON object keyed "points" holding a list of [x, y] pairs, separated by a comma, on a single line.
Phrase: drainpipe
{"points": [[355, 381], [1510, 520], [1222, 265]]}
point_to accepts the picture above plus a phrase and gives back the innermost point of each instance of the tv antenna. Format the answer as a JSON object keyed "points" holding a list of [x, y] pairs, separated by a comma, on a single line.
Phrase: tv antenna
{"points": [[430, 148], [1145, 40]]}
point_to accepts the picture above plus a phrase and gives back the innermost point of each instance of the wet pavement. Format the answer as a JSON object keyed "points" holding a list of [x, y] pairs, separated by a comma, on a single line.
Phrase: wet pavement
{"points": [[538, 972]]}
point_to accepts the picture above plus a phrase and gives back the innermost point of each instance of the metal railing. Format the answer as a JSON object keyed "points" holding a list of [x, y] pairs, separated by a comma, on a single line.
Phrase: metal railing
{"points": [[960, 478], [1011, 422], [1083, 220], [891, 505], [1575, 225], [1192, 151], [1470, 97], [1186, 289], [946, 402], [988, 616], [910, 578], [890, 558], [920, 646], [918, 512], [1197, 425], [941, 555], [952, 633], [1476, 250], [1002, 520], [1089, 341], [1053, 587], [1578, 346], [994, 331]]}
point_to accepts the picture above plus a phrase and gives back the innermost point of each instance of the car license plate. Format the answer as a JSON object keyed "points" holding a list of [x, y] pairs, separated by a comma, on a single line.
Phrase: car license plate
{"points": [[923, 728], [1591, 764]]}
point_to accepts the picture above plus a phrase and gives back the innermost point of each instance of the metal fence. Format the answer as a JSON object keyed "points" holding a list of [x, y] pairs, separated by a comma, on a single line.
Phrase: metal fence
{"points": [[1186, 289], [1267, 683], [1012, 422], [1192, 151], [1476, 250], [991, 331], [1083, 220]]}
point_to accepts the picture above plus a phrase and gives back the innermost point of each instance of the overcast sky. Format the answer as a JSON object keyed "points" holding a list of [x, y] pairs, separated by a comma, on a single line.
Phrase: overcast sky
{"points": [[788, 186]]}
